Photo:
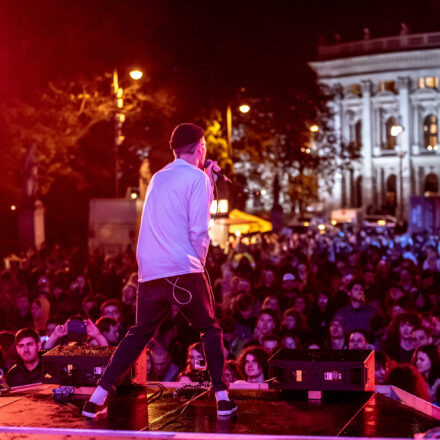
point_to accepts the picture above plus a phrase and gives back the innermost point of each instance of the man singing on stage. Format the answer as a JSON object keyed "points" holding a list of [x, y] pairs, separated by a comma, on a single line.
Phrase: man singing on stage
{"points": [[171, 253]]}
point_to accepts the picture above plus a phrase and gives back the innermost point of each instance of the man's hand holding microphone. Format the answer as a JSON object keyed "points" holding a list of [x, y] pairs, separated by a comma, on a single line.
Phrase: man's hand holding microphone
{"points": [[214, 171]]}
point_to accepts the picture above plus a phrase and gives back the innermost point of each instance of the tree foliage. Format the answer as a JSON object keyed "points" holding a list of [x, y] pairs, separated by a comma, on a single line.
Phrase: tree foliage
{"points": [[65, 114], [216, 141], [274, 139]]}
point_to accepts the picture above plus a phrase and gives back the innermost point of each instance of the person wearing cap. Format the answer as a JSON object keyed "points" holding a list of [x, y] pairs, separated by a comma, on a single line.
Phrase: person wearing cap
{"points": [[288, 277], [171, 253]]}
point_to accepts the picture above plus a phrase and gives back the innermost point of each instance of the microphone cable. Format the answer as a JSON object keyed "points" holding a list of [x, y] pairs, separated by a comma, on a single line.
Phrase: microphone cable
{"points": [[181, 303]]}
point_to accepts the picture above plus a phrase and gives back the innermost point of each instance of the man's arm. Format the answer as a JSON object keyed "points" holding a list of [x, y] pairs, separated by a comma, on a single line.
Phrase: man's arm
{"points": [[59, 332], [94, 333]]}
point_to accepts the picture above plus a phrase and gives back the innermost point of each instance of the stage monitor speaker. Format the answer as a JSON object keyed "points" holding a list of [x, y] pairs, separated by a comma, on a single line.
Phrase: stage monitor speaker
{"points": [[322, 370], [82, 365]]}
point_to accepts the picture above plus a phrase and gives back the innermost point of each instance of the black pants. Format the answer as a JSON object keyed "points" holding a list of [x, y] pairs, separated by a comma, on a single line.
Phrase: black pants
{"points": [[154, 299]]}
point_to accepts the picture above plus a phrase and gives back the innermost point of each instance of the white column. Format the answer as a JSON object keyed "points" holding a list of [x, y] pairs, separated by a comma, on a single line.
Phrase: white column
{"points": [[438, 126], [382, 189], [376, 130], [338, 115], [345, 124], [404, 108], [335, 198], [367, 162]]}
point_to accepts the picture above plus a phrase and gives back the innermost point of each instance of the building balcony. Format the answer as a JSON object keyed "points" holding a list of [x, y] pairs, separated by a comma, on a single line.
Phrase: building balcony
{"points": [[380, 45]]}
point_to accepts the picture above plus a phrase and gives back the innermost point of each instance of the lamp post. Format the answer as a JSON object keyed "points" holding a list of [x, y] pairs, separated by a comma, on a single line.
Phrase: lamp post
{"points": [[118, 95], [243, 108], [396, 129]]}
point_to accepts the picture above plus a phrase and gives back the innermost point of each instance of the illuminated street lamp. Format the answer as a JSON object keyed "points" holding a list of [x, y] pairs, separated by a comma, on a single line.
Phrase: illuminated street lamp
{"points": [[136, 74], [118, 94], [244, 108], [314, 130]]}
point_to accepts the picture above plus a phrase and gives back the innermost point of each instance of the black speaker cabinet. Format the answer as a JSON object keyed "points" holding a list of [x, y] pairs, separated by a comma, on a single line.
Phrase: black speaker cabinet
{"points": [[322, 370], [76, 365]]}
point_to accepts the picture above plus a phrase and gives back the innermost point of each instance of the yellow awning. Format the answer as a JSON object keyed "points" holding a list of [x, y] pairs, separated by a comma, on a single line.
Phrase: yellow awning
{"points": [[248, 223]]}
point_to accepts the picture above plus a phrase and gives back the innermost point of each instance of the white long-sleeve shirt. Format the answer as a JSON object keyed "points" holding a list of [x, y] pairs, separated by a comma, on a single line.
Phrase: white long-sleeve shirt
{"points": [[173, 237]]}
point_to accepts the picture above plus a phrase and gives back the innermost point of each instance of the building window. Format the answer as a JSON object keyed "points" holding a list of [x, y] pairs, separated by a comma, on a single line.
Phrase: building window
{"points": [[430, 82], [359, 192], [430, 133], [391, 195], [358, 134], [431, 185], [354, 89], [390, 141], [355, 134], [389, 86]]}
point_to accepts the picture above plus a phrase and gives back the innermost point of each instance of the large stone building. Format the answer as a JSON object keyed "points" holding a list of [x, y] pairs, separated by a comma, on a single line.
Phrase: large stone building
{"points": [[377, 84]]}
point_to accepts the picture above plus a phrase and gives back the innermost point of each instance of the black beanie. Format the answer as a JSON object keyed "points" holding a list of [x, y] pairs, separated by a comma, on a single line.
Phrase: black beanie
{"points": [[185, 134]]}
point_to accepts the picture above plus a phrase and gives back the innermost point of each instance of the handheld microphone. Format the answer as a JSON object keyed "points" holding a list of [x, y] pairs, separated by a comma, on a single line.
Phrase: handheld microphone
{"points": [[217, 173]]}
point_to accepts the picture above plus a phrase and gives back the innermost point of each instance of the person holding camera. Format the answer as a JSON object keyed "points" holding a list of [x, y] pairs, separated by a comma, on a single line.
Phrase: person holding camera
{"points": [[195, 368], [171, 253], [76, 329]]}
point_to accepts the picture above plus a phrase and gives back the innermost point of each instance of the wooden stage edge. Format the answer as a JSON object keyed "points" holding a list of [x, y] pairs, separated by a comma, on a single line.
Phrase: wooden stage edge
{"points": [[64, 432], [388, 390], [12, 433], [15, 433]]}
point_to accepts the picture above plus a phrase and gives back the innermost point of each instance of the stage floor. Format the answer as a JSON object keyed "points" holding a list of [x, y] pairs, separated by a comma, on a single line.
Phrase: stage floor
{"points": [[260, 413]]}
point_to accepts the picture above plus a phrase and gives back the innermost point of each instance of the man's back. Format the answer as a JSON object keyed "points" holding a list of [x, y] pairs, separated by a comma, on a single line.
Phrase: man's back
{"points": [[173, 237]]}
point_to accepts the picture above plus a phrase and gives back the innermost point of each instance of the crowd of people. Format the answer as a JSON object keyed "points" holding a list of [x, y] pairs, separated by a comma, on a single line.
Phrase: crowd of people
{"points": [[335, 289]]}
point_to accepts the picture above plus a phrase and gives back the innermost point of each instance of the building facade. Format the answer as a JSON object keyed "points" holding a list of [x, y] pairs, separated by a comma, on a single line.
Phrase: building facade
{"points": [[378, 84]]}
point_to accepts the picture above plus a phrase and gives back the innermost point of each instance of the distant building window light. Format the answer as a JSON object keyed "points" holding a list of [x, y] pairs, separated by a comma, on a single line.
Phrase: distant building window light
{"points": [[430, 133], [430, 82], [390, 140]]}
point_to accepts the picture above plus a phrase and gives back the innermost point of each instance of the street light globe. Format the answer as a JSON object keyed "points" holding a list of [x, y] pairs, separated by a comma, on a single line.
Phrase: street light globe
{"points": [[244, 108], [136, 74], [314, 128]]}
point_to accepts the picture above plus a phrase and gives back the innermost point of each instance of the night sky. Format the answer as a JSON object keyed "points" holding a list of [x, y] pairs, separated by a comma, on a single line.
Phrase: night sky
{"points": [[203, 54], [205, 50]]}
